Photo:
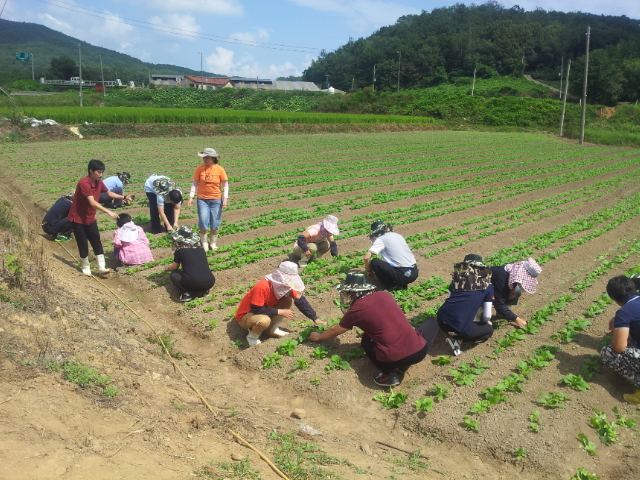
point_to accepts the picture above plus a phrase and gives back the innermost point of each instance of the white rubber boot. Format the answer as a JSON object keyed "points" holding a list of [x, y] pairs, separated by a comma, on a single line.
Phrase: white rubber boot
{"points": [[86, 268], [102, 268], [274, 331], [253, 338], [214, 240], [204, 241]]}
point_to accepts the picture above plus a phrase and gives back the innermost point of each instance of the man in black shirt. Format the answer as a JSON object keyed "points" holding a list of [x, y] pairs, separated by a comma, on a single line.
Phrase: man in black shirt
{"points": [[55, 222], [194, 279]]}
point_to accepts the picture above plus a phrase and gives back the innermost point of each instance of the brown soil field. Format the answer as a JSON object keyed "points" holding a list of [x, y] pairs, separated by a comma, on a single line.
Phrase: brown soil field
{"points": [[176, 418]]}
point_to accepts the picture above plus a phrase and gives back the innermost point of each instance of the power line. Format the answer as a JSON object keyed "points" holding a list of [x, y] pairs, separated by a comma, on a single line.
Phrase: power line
{"points": [[176, 31]]}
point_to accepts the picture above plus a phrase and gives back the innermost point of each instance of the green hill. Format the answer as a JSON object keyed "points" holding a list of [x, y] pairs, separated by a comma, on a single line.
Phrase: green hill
{"points": [[45, 44]]}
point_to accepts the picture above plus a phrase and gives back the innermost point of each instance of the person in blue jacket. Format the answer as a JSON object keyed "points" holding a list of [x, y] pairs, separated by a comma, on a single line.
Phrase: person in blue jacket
{"points": [[116, 184]]}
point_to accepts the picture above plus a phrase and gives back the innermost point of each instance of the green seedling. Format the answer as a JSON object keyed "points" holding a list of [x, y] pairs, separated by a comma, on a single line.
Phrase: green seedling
{"points": [[471, 425], [320, 352], [575, 381], [480, 407], [520, 453], [288, 347], [606, 430], [301, 364], [552, 400], [534, 421], [424, 404], [337, 362], [622, 420], [442, 360], [587, 445], [212, 324], [391, 400], [111, 391], [272, 360], [583, 474], [440, 392], [315, 381], [177, 406]]}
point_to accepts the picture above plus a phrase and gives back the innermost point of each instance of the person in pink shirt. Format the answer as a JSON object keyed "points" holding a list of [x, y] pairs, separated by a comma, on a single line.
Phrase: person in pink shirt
{"points": [[316, 241], [130, 243]]}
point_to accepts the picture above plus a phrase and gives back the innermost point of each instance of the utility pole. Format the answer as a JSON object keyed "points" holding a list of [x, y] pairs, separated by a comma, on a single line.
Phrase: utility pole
{"points": [[33, 77], [326, 79], [473, 85], [564, 101], [399, 58], [353, 82], [584, 88], [374, 77], [201, 77], [104, 87], [80, 72]]}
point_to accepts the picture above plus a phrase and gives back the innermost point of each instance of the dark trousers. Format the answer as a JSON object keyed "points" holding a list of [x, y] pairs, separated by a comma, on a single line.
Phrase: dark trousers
{"points": [[86, 234], [197, 290], [156, 226], [402, 365], [109, 202], [61, 227], [391, 276], [478, 332]]}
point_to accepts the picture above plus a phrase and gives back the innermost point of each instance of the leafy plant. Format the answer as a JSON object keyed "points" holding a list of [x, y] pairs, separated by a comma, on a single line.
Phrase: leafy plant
{"points": [[471, 425], [424, 404], [441, 360], [111, 391], [575, 381], [534, 421], [480, 407], [168, 341], [82, 375], [520, 453], [587, 445], [212, 324], [440, 391], [552, 400], [606, 430], [320, 352], [392, 399], [583, 474], [272, 360], [622, 420], [288, 347], [337, 362], [301, 364]]}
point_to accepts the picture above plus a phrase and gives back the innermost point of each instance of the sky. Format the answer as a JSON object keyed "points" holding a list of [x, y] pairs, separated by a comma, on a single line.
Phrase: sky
{"points": [[246, 38]]}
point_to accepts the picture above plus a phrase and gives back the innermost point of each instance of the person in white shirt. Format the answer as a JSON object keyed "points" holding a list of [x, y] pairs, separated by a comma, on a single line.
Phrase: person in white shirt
{"points": [[397, 267]]}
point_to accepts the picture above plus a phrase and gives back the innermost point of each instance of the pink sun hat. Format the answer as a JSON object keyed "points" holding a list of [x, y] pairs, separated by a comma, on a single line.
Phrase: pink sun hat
{"points": [[525, 273]]}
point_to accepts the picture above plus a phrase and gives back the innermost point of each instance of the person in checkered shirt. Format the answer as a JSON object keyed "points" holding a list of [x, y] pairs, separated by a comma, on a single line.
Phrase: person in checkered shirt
{"points": [[509, 281]]}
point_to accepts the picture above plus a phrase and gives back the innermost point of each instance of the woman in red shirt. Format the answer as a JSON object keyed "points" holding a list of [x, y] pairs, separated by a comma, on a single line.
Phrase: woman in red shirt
{"points": [[82, 215]]}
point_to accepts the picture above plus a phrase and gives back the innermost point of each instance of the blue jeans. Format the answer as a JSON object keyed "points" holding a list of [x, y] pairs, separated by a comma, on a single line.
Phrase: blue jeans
{"points": [[209, 214]]}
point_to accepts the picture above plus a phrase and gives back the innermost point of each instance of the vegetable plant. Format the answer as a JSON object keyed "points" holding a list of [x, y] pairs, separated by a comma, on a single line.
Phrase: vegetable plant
{"points": [[553, 400], [587, 444], [392, 399]]}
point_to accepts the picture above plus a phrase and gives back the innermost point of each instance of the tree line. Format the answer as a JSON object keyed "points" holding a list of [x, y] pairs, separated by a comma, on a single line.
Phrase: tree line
{"points": [[451, 42]]}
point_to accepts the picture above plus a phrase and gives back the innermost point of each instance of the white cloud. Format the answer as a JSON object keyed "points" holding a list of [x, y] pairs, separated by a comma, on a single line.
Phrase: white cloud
{"points": [[56, 24], [251, 38], [208, 7], [223, 62], [173, 23]]}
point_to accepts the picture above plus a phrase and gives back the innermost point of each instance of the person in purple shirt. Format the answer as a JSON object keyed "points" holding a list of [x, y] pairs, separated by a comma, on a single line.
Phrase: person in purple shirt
{"points": [[623, 355], [388, 339]]}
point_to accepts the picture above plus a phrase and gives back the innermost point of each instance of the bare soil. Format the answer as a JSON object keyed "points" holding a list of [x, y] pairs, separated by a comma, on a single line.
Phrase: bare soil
{"points": [[159, 425]]}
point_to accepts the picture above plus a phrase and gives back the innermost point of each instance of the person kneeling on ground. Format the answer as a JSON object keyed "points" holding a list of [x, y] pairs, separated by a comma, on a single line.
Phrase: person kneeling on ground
{"points": [[130, 244], [55, 221], [509, 281], [316, 240], [269, 302], [397, 268], [116, 184], [623, 355], [471, 290], [389, 340], [195, 279]]}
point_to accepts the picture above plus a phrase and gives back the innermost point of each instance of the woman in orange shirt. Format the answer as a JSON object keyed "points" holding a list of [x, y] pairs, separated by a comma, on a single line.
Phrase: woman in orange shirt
{"points": [[211, 182]]}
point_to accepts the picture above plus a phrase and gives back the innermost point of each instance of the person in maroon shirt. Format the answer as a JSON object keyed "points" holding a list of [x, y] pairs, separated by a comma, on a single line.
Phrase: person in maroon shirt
{"points": [[389, 340], [82, 215]]}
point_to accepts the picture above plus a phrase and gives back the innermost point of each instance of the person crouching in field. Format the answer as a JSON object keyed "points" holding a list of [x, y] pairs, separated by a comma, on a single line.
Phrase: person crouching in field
{"points": [[471, 291], [268, 303], [195, 278], [389, 340], [316, 240], [116, 184], [83, 216], [623, 355], [55, 221], [131, 245], [509, 281]]}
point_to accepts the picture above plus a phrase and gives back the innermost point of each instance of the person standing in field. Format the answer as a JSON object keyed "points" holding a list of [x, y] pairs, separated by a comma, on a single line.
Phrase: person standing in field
{"points": [[211, 182], [116, 184], [397, 268], [164, 202], [623, 355], [509, 281], [83, 215], [316, 240]]}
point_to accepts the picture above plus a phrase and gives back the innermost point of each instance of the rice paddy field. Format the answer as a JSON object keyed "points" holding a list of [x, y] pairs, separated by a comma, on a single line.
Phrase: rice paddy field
{"points": [[536, 398]]}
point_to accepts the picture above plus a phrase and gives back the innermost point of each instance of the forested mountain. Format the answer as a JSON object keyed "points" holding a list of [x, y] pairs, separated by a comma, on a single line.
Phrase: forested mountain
{"points": [[46, 44], [446, 43]]}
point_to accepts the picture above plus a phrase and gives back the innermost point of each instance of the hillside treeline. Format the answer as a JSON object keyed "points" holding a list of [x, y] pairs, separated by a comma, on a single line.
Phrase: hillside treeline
{"points": [[438, 46]]}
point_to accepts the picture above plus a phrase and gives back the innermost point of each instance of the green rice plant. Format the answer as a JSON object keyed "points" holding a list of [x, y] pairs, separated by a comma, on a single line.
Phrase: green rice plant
{"points": [[392, 399], [587, 444], [272, 360], [424, 404]]}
